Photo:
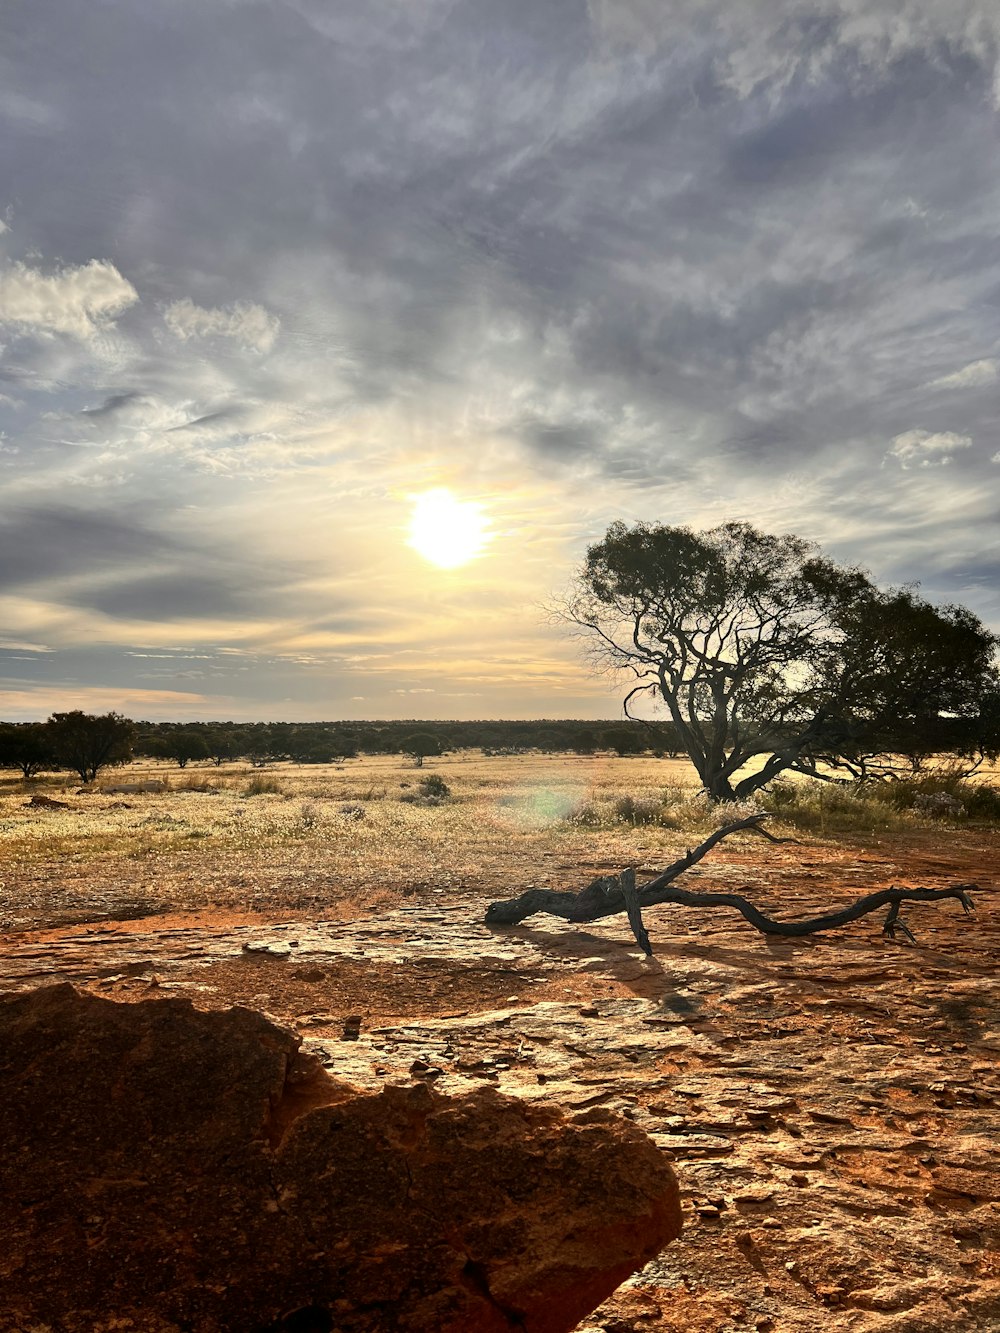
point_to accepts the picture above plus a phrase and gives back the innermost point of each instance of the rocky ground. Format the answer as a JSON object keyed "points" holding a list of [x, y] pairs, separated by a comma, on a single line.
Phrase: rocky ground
{"points": [[829, 1103]]}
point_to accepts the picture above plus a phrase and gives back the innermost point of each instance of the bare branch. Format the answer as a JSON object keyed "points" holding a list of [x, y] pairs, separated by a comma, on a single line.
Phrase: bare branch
{"points": [[609, 895]]}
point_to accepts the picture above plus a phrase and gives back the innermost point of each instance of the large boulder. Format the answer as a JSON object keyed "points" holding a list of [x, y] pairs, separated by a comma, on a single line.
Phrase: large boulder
{"points": [[165, 1169]]}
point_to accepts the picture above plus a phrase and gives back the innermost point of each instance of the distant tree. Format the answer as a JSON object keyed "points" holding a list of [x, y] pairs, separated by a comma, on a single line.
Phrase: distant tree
{"points": [[27, 746], [420, 746], [183, 745], [623, 740], [225, 742], [87, 743], [763, 649]]}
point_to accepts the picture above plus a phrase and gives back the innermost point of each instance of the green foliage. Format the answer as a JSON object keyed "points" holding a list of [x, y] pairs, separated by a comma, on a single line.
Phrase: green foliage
{"points": [[624, 740], [86, 743], [434, 785], [421, 745], [761, 648], [185, 745], [27, 746], [975, 800]]}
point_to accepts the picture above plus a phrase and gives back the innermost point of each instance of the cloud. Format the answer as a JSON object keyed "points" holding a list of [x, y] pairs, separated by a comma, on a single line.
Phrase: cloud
{"points": [[250, 325], [973, 376], [921, 448], [80, 301]]}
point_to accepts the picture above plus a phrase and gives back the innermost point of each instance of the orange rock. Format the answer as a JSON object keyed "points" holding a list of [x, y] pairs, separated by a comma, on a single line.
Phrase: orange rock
{"points": [[194, 1170]]}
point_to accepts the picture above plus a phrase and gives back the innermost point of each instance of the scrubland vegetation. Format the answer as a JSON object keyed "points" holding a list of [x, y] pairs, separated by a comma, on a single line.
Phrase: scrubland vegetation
{"points": [[350, 832]]}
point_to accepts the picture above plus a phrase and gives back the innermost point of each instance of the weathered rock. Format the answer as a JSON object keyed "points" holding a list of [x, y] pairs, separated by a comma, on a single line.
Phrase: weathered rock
{"points": [[164, 1169]]}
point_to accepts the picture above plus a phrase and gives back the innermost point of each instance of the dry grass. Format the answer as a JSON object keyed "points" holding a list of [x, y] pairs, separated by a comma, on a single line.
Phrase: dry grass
{"points": [[343, 833]]}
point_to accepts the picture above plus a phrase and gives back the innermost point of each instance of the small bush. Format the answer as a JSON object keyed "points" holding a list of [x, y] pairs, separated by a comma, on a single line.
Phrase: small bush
{"points": [[198, 785], [830, 807], [731, 812], [351, 810], [309, 814], [938, 805], [261, 784], [637, 810], [434, 785], [586, 813], [949, 792]]}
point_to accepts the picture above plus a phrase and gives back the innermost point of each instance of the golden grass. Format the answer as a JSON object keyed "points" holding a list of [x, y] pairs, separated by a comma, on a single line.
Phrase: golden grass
{"points": [[341, 833]]}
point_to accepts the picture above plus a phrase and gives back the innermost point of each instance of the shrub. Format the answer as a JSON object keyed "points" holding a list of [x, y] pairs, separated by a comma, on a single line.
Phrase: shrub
{"points": [[731, 812], [587, 813], [831, 807], [434, 785], [938, 805], [630, 809], [262, 785], [978, 800]]}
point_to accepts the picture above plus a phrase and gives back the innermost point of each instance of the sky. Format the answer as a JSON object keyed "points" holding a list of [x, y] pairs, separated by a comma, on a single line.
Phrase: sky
{"points": [[273, 270]]}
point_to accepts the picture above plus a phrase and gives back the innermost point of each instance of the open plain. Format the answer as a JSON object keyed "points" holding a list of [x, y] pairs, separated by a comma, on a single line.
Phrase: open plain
{"points": [[830, 1103]]}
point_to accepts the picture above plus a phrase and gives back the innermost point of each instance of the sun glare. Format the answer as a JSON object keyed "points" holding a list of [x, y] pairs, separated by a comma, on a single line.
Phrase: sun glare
{"points": [[446, 531]]}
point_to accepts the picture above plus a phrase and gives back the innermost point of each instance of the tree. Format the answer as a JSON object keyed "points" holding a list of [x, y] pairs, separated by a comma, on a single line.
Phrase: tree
{"points": [[86, 743], [623, 740], [420, 746], [760, 647], [25, 745], [183, 745]]}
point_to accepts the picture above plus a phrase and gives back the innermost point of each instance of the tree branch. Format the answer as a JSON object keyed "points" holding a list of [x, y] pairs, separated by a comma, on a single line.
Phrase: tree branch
{"points": [[609, 895]]}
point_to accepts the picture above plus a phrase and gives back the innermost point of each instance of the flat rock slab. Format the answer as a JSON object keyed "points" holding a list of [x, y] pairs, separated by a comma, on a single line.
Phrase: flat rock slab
{"points": [[166, 1169], [831, 1105]]}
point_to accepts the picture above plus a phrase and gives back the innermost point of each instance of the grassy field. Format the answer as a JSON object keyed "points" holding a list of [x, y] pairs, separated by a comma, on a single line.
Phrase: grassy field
{"points": [[378, 827]]}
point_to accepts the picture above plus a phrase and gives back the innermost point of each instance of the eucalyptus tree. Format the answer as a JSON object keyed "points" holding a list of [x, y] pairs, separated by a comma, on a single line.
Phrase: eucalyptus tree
{"points": [[86, 743], [762, 649]]}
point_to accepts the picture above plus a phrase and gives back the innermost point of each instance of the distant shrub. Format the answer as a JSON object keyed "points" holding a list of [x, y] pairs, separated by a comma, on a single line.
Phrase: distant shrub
{"points": [[434, 785], [309, 814], [351, 810], [940, 795], [631, 809], [261, 784], [586, 813]]}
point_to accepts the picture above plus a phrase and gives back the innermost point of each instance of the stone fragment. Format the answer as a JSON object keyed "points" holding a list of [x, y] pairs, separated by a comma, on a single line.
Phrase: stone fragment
{"points": [[167, 1169]]}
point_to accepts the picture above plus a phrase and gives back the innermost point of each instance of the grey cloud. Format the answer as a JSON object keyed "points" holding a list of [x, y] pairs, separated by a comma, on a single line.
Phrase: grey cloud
{"points": [[655, 245], [112, 404], [182, 594], [40, 543]]}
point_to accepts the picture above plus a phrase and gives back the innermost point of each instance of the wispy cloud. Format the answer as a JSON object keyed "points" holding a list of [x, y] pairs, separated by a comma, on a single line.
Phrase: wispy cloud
{"points": [[973, 376], [248, 324], [923, 448]]}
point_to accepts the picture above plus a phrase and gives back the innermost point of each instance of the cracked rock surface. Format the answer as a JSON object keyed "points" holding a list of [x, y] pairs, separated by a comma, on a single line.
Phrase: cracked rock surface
{"points": [[831, 1105]]}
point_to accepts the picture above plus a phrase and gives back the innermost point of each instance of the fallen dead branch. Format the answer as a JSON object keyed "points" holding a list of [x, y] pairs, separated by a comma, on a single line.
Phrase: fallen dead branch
{"points": [[610, 894]]}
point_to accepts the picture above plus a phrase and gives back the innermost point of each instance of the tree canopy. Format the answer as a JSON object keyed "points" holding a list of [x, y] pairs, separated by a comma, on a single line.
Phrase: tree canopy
{"points": [[761, 648], [87, 743]]}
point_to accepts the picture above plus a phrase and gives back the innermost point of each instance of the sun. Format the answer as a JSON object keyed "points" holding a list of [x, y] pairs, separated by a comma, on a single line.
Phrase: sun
{"points": [[446, 531]]}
